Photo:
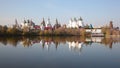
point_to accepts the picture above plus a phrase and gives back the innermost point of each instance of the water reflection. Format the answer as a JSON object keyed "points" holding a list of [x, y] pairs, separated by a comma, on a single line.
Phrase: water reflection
{"points": [[74, 43], [75, 46]]}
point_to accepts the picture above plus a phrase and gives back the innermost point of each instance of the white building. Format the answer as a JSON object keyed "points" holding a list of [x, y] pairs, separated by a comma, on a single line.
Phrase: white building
{"points": [[28, 24], [74, 23], [94, 30], [48, 24], [42, 25], [94, 39]]}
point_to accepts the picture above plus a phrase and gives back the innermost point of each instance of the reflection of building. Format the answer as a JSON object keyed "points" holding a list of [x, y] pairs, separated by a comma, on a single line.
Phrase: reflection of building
{"points": [[45, 44], [94, 39], [75, 46], [26, 42]]}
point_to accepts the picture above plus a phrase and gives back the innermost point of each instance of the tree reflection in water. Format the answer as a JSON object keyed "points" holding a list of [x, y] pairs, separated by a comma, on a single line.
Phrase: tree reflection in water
{"points": [[75, 43]]}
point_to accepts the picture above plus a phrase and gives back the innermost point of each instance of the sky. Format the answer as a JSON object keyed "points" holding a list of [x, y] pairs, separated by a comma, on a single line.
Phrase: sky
{"points": [[96, 12]]}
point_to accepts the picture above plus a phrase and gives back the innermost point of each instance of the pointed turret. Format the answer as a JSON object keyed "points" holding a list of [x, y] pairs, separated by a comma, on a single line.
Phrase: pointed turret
{"points": [[25, 21], [16, 21], [56, 21], [80, 19], [48, 24], [75, 19], [111, 25], [43, 22], [16, 24], [57, 25], [80, 22]]}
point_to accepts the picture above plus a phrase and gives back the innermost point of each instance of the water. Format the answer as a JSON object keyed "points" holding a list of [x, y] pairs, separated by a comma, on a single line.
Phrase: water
{"points": [[59, 52]]}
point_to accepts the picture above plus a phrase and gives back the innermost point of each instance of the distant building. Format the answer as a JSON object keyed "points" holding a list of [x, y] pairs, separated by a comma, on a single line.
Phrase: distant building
{"points": [[29, 24], [36, 27], [46, 26], [57, 25], [42, 25], [74, 23], [95, 32]]}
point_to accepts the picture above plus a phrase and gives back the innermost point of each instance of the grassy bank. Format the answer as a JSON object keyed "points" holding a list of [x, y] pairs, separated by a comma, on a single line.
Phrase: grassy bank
{"points": [[4, 31]]}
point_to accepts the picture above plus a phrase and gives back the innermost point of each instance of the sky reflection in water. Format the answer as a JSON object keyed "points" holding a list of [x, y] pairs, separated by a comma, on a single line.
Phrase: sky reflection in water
{"points": [[59, 52]]}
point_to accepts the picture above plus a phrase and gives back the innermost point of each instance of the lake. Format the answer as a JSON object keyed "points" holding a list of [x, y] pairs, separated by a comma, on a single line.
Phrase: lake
{"points": [[59, 52]]}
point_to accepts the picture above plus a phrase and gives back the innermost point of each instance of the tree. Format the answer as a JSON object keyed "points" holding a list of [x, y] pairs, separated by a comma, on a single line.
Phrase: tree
{"points": [[4, 29]]}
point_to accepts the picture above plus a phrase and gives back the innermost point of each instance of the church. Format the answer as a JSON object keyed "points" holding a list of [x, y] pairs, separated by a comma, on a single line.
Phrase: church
{"points": [[75, 23], [46, 26]]}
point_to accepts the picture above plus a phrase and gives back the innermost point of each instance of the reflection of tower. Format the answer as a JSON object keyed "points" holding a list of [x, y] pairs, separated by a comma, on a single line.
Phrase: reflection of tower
{"points": [[43, 43], [56, 45], [47, 44], [110, 46]]}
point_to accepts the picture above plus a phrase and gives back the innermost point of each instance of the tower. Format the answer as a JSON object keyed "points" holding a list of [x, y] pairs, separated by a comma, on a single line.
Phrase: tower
{"points": [[80, 22], [42, 24], [16, 23], [48, 24], [111, 24]]}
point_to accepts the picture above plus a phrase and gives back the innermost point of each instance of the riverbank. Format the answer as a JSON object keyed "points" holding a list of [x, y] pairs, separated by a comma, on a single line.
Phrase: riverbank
{"points": [[59, 32], [49, 32]]}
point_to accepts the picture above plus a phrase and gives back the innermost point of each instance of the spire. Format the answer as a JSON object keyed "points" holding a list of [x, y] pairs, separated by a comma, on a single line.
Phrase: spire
{"points": [[25, 21], [56, 21], [43, 22], [57, 25], [16, 21], [43, 19], [81, 19], [75, 19], [71, 20], [31, 21], [111, 24], [28, 21], [48, 22]]}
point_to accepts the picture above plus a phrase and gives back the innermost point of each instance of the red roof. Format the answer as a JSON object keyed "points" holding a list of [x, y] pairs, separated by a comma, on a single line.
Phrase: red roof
{"points": [[37, 27]]}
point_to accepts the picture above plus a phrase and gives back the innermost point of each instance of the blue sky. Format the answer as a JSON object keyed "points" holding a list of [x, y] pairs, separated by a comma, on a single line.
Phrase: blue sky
{"points": [[96, 12]]}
